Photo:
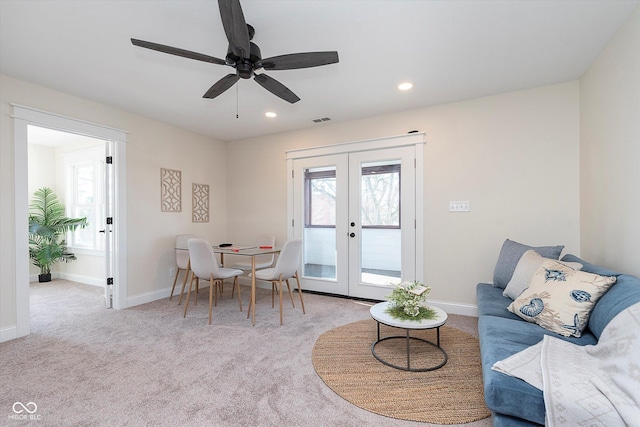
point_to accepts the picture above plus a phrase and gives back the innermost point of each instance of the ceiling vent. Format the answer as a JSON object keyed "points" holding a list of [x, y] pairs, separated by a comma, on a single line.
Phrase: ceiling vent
{"points": [[324, 119]]}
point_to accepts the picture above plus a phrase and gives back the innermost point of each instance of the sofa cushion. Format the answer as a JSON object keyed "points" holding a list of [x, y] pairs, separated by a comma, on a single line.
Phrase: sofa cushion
{"points": [[560, 298], [624, 293], [491, 302], [500, 338], [510, 254]]}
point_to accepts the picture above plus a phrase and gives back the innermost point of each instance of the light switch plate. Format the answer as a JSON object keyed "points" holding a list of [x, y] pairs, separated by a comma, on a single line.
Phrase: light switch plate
{"points": [[459, 206]]}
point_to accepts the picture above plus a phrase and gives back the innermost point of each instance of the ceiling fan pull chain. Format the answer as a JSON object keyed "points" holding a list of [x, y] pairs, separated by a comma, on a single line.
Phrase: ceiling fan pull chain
{"points": [[237, 100]]}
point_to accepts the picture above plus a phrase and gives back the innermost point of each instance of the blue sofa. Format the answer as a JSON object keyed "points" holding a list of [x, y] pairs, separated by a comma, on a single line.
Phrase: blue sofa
{"points": [[512, 401]]}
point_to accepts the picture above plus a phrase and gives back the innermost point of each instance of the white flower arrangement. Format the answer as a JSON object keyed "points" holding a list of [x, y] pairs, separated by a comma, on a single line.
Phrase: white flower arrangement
{"points": [[407, 301]]}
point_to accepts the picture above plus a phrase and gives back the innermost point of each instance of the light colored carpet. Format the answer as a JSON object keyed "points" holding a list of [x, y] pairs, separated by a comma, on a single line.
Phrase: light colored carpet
{"points": [[449, 395], [84, 365]]}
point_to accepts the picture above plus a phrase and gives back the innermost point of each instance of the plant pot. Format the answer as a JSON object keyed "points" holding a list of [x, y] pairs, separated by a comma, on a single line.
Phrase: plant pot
{"points": [[44, 277]]}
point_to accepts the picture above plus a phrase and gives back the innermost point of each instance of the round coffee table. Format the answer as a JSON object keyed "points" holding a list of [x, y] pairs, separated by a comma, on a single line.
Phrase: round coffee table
{"points": [[378, 312]]}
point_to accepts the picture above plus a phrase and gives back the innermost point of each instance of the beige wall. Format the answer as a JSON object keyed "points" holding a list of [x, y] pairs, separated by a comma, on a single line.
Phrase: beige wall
{"points": [[513, 156], [610, 153], [152, 145]]}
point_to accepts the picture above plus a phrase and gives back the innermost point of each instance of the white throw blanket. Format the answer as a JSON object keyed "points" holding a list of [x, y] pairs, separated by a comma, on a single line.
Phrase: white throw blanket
{"points": [[593, 385]]}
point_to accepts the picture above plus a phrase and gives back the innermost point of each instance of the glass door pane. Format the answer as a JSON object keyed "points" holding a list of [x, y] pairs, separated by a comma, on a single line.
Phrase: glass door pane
{"points": [[380, 223], [320, 223]]}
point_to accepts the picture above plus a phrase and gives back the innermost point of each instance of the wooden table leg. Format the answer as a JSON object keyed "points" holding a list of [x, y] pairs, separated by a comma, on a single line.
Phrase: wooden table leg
{"points": [[253, 290]]}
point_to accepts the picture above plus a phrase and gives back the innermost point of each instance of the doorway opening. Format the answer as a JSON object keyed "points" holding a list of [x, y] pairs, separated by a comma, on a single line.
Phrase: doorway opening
{"points": [[73, 167], [115, 200]]}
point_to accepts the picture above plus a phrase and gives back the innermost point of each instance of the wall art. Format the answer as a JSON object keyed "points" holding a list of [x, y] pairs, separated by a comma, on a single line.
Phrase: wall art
{"points": [[200, 203], [171, 190]]}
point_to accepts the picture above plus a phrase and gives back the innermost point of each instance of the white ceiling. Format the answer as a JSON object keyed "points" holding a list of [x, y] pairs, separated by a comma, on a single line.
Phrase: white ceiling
{"points": [[450, 50]]}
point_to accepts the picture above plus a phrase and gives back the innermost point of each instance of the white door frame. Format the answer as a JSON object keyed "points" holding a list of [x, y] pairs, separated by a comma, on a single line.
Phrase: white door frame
{"points": [[413, 139], [22, 117]]}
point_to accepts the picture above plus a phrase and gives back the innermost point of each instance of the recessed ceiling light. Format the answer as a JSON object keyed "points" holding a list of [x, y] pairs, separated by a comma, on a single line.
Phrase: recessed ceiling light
{"points": [[405, 86], [270, 114]]}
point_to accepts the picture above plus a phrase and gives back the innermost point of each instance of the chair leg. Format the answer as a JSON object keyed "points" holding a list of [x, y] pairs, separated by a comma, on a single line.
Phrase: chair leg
{"points": [[211, 291], [273, 290], [197, 292], [195, 297], [236, 284], [280, 292], [186, 306], [188, 273], [300, 292], [290, 294], [217, 288], [175, 279]]}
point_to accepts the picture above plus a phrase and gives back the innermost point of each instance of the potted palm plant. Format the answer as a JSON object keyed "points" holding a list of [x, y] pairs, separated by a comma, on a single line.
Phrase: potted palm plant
{"points": [[47, 227]]}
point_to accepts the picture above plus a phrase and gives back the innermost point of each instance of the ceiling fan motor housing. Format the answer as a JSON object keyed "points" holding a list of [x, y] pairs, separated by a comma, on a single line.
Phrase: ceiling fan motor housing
{"points": [[244, 67]]}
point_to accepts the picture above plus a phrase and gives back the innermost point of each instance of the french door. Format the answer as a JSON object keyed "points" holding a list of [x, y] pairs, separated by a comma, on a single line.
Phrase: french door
{"points": [[356, 215]]}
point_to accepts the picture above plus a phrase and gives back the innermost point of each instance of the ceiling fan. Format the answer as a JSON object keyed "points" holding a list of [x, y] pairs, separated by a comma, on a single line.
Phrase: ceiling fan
{"points": [[245, 57]]}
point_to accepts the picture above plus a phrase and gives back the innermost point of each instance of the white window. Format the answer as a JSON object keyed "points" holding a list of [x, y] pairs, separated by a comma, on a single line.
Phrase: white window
{"points": [[85, 196]]}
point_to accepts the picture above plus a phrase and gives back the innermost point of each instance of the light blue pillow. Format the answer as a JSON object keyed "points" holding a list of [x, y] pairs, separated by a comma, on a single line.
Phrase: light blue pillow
{"points": [[511, 253]]}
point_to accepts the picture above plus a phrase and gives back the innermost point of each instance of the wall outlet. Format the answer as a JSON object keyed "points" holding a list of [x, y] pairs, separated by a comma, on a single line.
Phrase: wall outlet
{"points": [[460, 206], [172, 272]]}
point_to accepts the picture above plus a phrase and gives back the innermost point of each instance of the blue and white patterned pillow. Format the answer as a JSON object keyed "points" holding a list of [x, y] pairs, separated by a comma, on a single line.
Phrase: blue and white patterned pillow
{"points": [[560, 298]]}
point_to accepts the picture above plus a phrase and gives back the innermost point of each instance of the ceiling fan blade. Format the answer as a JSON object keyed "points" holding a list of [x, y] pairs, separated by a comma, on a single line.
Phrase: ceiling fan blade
{"points": [[276, 88], [221, 85], [235, 27], [299, 60], [177, 51]]}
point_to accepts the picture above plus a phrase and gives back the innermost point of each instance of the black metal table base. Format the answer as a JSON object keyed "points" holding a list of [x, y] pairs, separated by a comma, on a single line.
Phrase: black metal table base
{"points": [[409, 338]]}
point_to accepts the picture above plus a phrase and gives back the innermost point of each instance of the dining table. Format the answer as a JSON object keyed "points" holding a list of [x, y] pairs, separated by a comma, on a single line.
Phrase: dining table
{"points": [[247, 251]]}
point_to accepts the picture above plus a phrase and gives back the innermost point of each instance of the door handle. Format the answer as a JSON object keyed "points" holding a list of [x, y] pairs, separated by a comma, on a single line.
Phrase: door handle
{"points": [[352, 234]]}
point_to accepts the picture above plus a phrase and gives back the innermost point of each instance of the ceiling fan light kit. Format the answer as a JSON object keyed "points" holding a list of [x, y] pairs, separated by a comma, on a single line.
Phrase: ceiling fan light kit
{"points": [[245, 56]]}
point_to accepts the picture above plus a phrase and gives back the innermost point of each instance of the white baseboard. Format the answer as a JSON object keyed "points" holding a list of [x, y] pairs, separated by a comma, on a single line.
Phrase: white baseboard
{"points": [[8, 333], [148, 297], [456, 308], [87, 280]]}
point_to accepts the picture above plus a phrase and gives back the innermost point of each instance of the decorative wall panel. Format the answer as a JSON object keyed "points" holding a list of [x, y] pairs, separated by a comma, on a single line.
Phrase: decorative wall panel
{"points": [[200, 203], [171, 189]]}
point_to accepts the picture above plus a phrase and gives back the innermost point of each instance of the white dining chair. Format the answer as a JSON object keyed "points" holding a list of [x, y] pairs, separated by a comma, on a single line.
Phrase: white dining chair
{"points": [[204, 266], [182, 262], [286, 268]]}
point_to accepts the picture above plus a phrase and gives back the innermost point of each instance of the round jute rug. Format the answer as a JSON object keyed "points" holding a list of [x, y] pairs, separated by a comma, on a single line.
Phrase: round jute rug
{"points": [[452, 394]]}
